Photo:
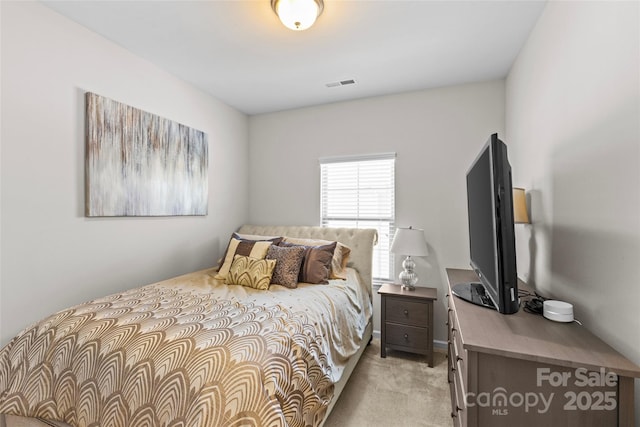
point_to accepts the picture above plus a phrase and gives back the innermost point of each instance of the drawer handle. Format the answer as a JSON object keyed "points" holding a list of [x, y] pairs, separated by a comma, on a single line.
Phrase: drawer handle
{"points": [[406, 337], [406, 312]]}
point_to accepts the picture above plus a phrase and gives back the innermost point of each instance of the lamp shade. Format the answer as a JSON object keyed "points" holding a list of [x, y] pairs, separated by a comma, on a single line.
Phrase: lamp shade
{"points": [[409, 241], [520, 215], [297, 15]]}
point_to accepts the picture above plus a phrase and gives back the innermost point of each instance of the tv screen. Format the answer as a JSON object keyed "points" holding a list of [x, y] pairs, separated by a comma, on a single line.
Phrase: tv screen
{"points": [[491, 232]]}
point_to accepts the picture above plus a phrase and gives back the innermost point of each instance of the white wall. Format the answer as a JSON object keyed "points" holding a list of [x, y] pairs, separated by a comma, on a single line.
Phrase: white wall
{"points": [[436, 135], [573, 115], [51, 255]]}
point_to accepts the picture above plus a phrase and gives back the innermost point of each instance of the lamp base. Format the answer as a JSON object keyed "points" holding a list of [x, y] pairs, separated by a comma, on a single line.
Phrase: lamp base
{"points": [[408, 277]]}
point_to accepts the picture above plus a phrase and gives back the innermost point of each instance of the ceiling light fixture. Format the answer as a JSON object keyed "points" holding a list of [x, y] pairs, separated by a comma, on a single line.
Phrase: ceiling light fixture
{"points": [[297, 15]]}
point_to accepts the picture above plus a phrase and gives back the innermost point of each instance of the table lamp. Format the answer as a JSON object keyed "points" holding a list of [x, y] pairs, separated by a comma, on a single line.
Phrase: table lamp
{"points": [[410, 242], [520, 215]]}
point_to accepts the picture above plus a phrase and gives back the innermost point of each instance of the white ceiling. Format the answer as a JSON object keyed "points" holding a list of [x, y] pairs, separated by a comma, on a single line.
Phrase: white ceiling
{"points": [[239, 52]]}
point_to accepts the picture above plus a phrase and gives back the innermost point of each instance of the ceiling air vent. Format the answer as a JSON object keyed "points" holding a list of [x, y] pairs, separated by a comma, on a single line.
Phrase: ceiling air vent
{"points": [[341, 83]]}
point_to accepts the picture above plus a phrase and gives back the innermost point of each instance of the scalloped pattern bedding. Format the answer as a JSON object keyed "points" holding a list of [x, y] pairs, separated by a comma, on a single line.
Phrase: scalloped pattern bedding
{"points": [[189, 351]]}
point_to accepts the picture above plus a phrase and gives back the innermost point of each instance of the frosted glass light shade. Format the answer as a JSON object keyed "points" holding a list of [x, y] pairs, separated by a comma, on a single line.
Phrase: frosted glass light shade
{"points": [[297, 15], [520, 215]]}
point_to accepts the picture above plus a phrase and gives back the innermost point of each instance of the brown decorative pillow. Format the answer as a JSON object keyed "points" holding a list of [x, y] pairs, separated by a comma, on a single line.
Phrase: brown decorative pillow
{"points": [[289, 262], [340, 255], [316, 263], [251, 272], [253, 248]]}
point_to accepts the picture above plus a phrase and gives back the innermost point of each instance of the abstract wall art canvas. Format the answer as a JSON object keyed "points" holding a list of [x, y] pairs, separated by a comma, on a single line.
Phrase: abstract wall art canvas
{"points": [[140, 164]]}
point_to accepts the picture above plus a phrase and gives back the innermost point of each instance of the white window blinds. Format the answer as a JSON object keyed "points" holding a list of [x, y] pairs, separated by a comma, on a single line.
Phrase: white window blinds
{"points": [[359, 192]]}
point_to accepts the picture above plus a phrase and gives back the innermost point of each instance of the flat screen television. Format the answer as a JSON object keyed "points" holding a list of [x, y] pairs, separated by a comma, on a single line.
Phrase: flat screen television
{"points": [[491, 231]]}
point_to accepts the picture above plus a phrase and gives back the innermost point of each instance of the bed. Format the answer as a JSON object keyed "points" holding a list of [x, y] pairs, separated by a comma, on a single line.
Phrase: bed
{"points": [[197, 351]]}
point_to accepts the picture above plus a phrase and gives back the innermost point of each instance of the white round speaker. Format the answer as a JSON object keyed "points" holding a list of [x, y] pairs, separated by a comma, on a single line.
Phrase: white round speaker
{"points": [[558, 311]]}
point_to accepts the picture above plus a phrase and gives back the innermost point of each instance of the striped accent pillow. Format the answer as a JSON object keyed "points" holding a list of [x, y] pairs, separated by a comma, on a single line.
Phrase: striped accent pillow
{"points": [[251, 272], [253, 248]]}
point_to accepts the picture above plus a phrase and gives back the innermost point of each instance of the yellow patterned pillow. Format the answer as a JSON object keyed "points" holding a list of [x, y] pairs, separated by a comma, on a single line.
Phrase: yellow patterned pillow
{"points": [[251, 272]]}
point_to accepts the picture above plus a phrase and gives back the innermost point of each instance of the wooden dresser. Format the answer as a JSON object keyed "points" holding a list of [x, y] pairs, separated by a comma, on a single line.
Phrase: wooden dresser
{"points": [[524, 370]]}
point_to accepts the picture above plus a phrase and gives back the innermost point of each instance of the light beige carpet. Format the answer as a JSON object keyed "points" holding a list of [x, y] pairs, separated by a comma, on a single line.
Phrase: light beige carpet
{"points": [[398, 391]]}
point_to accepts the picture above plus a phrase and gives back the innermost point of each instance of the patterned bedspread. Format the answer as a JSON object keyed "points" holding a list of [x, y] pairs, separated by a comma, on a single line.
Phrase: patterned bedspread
{"points": [[189, 351]]}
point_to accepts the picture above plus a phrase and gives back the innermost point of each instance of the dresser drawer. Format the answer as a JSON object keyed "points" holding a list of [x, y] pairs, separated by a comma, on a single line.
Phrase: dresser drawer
{"points": [[459, 361], [407, 312], [459, 411], [407, 336], [454, 404]]}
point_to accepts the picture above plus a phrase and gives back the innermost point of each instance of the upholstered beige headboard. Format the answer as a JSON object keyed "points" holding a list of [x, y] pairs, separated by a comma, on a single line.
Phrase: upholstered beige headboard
{"points": [[360, 241]]}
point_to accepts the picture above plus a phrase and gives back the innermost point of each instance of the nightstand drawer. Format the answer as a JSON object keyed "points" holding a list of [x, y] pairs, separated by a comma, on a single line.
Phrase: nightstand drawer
{"points": [[407, 312], [407, 336]]}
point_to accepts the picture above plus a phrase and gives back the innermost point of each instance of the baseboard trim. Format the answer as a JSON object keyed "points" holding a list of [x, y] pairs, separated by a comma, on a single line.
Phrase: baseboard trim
{"points": [[442, 345]]}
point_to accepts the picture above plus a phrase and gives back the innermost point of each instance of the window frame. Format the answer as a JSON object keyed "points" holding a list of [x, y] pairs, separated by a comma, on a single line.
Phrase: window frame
{"points": [[384, 223]]}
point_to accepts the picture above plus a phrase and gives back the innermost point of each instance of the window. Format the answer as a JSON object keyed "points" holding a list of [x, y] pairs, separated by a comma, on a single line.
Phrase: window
{"points": [[359, 192]]}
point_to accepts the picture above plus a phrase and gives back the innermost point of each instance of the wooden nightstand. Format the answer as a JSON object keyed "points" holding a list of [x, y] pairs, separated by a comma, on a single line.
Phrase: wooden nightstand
{"points": [[407, 320]]}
